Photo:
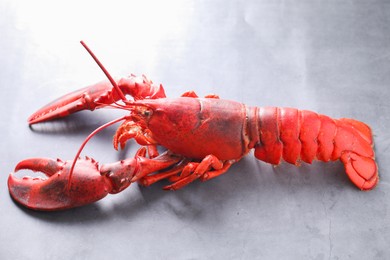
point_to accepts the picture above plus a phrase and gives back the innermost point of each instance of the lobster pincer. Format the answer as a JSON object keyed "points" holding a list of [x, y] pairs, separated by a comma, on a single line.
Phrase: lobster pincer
{"points": [[99, 95], [53, 192], [89, 181]]}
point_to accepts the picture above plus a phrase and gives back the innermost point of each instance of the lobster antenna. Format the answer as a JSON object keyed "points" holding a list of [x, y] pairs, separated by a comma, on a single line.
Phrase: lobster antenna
{"points": [[97, 130], [121, 95]]}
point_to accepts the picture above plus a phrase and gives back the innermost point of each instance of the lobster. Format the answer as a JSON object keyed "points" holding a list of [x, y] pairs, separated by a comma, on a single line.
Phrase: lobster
{"points": [[203, 137]]}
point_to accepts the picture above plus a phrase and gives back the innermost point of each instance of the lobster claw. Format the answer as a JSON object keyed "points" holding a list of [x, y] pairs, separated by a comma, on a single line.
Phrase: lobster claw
{"points": [[97, 96], [92, 97], [87, 184]]}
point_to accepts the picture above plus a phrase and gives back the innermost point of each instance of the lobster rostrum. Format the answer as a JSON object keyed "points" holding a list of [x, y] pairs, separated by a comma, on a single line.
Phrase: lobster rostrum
{"points": [[203, 137]]}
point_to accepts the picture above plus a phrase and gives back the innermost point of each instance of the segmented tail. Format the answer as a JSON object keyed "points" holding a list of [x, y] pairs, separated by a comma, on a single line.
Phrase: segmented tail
{"points": [[300, 135]]}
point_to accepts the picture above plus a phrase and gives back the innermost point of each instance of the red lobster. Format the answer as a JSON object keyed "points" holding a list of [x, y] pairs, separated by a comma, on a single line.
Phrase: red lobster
{"points": [[203, 138]]}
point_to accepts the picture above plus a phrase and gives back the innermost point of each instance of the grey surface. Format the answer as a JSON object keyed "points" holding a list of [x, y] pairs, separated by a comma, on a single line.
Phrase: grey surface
{"points": [[326, 56]]}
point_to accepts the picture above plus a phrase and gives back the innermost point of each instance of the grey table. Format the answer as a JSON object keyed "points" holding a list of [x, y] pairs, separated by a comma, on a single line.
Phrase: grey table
{"points": [[326, 56]]}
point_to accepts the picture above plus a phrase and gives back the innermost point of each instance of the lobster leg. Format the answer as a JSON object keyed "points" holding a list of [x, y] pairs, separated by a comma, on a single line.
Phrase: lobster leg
{"points": [[99, 95], [150, 179], [128, 130], [202, 170], [192, 94]]}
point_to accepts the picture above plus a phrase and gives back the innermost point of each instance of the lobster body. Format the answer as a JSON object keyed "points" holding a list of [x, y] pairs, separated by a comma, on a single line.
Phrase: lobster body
{"points": [[186, 126], [203, 138]]}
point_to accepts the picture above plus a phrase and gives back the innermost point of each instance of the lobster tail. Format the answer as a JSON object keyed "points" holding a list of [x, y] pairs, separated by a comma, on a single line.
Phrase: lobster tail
{"points": [[300, 135]]}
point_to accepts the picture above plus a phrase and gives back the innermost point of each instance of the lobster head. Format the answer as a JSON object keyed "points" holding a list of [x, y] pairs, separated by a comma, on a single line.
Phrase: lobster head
{"points": [[164, 121]]}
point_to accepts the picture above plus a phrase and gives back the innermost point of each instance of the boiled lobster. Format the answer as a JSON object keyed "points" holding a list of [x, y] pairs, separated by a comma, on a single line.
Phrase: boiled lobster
{"points": [[203, 137]]}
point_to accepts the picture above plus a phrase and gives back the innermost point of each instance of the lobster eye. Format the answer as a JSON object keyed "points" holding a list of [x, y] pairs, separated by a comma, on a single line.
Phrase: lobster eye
{"points": [[147, 113]]}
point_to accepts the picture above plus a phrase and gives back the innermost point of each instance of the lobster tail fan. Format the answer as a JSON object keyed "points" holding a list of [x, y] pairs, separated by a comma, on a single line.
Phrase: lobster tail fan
{"points": [[358, 157]]}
